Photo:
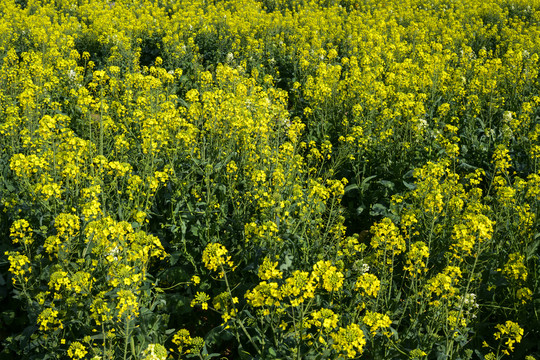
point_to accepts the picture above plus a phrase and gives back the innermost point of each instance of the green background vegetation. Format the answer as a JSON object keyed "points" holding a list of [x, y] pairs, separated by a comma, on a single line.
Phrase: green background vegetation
{"points": [[377, 163]]}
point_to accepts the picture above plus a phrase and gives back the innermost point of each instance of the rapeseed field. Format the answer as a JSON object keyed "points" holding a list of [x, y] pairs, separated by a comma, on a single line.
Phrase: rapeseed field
{"points": [[269, 179]]}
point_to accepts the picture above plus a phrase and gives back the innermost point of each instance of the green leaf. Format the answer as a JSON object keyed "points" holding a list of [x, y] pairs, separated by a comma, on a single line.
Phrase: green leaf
{"points": [[531, 251], [351, 187], [288, 259], [10, 187], [409, 185], [378, 210], [388, 184], [364, 186], [174, 258], [8, 316]]}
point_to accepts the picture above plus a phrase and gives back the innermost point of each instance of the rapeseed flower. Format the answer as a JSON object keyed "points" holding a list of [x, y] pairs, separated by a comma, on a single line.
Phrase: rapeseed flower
{"points": [[416, 259], [368, 284], [21, 232], [155, 352], [201, 298], [183, 340], [215, 257], [127, 305], [48, 320], [376, 321], [349, 341], [515, 269], [19, 265], [511, 332], [268, 271], [387, 239], [77, 351], [324, 319]]}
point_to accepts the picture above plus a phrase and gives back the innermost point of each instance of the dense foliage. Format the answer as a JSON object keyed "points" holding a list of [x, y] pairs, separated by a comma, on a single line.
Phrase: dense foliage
{"points": [[269, 179]]}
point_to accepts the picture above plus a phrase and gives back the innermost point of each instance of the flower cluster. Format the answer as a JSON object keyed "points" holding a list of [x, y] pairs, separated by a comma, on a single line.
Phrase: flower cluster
{"points": [[215, 257]]}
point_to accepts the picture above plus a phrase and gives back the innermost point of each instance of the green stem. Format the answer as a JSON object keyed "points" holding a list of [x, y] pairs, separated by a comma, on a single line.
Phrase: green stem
{"points": [[104, 340], [128, 321], [236, 312]]}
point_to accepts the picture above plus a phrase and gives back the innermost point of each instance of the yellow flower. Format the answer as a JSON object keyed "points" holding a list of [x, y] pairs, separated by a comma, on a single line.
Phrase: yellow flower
{"points": [[48, 320], [416, 259], [19, 264], [417, 353], [298, 287], [524, 294], [182, 339], [332, 279], [501, 158], [128, 306], [349, 341], [77, 350], [67, 225], [58, 280], [192, 95], [264, 294], [21, 231], [268, 271], [387, 239], [201, 298], [368, 284], [215, 256], [515, 269], [155, 352], [324, 319], [376, 321], [100, 310], [511, 332]]}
